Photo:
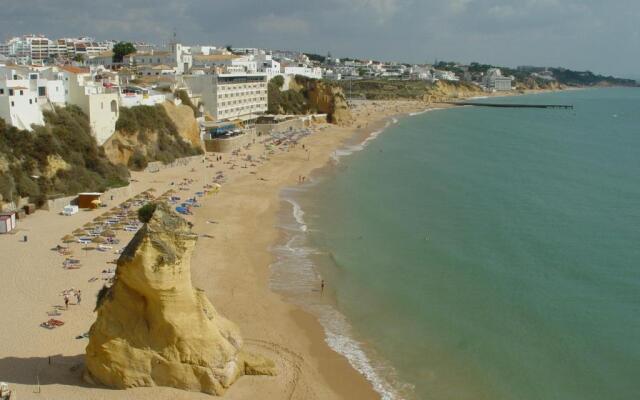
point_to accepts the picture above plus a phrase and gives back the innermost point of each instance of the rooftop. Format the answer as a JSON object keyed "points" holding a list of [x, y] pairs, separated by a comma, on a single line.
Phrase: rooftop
{"points": [[215, 57]]}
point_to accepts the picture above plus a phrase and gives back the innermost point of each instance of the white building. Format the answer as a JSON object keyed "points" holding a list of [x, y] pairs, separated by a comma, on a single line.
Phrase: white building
{"points": [[445, 76], [155, 70], [131, 96], [266, 64], [40, 50], [178, 57], [309, 72], [493, 80], [19, 103], [229, 96], [96, 97]]}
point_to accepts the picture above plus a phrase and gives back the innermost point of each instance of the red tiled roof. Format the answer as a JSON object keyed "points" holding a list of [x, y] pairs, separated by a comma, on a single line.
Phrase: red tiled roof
{"points": [[75, 70]]}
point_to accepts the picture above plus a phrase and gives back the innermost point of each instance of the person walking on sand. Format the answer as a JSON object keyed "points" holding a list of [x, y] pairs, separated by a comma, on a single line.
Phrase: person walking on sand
{"points": [[322, 287], [78, 297], [66, 301]]}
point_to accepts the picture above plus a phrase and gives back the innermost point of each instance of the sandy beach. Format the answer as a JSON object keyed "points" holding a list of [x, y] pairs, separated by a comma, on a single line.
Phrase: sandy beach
{"points": [[231, 263]]}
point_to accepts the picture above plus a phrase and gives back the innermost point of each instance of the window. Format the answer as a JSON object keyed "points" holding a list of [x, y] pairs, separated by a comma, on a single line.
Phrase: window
{"points": [[22, 93], [1, 91], [30, 101], [12, 104], [42, 91], [10, 92]]}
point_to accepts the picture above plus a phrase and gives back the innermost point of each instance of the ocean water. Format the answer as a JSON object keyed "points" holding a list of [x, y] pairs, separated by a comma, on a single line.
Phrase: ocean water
{"points": [[478, 253]]}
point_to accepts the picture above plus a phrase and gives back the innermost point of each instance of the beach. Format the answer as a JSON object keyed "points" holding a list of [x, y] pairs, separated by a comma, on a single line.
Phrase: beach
{"points": [[231, 263]]}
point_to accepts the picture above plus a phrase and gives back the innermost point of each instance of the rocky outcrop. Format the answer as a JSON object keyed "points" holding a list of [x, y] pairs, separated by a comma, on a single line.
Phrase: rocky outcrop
{"points": [[330, 100], [153, 133], [446, 91], [55, 163], [153, 328], [182, 117], [318, 97]]}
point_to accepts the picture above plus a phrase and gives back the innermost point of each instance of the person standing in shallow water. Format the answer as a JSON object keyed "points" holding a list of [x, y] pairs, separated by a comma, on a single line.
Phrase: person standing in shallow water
{"points": [[322, 287]]}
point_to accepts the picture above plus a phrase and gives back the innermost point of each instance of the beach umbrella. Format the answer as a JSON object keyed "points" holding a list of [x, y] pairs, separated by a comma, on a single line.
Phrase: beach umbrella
{"points": [[80, 232], [68, 238], [108, 233], [88, 225], [98, 240]]}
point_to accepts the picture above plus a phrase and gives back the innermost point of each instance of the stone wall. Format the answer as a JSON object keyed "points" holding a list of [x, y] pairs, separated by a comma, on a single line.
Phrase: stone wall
{"points": [[228, 145]]}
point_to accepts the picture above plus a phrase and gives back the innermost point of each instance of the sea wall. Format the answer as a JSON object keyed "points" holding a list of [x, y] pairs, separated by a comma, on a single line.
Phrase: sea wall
{"points": [[228, 145]]}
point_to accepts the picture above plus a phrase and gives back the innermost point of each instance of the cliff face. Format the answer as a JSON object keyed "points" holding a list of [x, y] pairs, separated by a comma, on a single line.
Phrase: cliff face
{"points": [[445, 91], [153, 133], [330, 100], [154, 328], [185, 122], [310, 96]]}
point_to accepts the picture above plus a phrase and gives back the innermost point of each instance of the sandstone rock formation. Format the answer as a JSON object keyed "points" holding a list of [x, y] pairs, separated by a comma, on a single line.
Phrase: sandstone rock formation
{"points": [[324, 98], [122, 145], [447, 91], [153, 328], [182, 117], [330, 100]]}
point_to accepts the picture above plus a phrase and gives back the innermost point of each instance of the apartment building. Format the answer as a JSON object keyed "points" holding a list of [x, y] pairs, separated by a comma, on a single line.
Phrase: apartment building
{"points": [[40, 50], [229, 96], [494, 80]]}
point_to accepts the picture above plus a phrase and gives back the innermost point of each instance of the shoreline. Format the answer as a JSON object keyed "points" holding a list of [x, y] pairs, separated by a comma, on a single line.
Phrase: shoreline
{"points": [[233, 268]]}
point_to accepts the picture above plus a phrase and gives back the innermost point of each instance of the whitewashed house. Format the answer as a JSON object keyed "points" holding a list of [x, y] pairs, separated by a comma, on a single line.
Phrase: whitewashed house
{"points": [[177, 56], [98, 98], [19, 100]]}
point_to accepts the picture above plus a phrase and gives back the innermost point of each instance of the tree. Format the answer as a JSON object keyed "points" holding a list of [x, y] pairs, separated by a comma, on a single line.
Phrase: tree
{"points": [[122, 49], [78, 58], [146, 212], [277, 80]]}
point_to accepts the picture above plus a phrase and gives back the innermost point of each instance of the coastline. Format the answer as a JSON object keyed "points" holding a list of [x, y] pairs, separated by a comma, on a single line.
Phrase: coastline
{"points": [[232, 268]]}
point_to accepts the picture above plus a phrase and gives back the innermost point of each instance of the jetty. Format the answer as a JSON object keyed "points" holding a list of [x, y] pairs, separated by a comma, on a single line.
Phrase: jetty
{"points": [[499, 105]]}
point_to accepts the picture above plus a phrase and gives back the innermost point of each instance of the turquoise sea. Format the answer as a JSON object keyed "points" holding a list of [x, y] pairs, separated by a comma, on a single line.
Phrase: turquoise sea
{"points": [[478, 253]]}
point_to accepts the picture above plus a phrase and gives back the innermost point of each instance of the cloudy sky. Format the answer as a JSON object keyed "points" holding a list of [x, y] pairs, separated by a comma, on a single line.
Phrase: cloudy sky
{"points": [[600, 35]]}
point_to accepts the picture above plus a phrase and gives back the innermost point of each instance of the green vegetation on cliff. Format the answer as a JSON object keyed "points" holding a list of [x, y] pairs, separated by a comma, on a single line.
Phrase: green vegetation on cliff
{"points": [[285, 101], [155, 135], [385, 89], [60, 158]]}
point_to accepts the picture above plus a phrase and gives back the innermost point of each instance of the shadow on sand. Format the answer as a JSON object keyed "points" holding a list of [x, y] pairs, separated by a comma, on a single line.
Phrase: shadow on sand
{"points": [[57, 369]]}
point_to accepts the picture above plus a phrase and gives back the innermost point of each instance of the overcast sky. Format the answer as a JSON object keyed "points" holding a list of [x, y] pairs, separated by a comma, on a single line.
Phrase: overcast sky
{"points": [[600, 35]]}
